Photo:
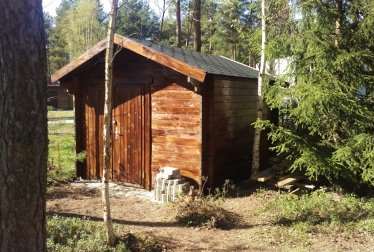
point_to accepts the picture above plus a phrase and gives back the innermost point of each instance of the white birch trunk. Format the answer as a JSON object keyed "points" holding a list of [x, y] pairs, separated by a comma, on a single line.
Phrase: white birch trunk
{"points": [[111, 239], [257, 136]]}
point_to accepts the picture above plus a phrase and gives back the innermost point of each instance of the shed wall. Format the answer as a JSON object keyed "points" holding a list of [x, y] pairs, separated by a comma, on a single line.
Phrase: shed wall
{"points": [[61, 98], [234, 112], [176, 127], [201, 128]]}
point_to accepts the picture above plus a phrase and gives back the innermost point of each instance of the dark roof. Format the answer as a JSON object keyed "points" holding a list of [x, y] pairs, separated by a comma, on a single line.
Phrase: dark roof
{"points": [[191, 63], [207, 62]]}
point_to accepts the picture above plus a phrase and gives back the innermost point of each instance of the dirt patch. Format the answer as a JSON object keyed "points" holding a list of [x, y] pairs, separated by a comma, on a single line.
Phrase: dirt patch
{"points": [[254, 231]]}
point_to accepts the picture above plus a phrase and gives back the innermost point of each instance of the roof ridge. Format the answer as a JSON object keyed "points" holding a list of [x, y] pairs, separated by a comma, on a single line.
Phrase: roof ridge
{"points": [[238, 62]]}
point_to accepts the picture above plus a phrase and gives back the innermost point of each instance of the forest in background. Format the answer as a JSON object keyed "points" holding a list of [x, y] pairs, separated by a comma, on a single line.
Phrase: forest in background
{"points": [[326, 92], [230, 29]]}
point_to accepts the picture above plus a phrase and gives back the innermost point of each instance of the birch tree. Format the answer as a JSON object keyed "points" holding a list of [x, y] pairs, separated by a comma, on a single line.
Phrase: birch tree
{"points": [[84, 27], [111, 239], [261, 75]]}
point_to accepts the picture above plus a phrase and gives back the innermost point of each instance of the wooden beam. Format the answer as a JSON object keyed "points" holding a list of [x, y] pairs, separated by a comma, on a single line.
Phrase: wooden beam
{"points": [[264, 175], [80, 60], [289, 180], [158, 57]]}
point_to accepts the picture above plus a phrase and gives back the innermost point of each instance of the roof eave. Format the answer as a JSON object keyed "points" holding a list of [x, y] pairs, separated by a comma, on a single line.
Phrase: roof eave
{"points": [[158, 57], [161, 58], [99, 47]]}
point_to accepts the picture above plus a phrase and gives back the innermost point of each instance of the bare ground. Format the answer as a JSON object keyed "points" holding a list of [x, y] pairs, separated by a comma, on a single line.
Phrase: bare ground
{"points": [[253, 232]]}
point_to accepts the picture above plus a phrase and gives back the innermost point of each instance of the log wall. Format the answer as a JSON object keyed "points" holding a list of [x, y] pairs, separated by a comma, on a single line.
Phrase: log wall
{"points": [[64, 100], [234, 112], [201, 128], [176, 127]]}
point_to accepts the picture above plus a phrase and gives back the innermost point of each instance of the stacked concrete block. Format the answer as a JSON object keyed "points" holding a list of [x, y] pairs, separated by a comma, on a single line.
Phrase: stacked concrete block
{"points": [[169, 184]]}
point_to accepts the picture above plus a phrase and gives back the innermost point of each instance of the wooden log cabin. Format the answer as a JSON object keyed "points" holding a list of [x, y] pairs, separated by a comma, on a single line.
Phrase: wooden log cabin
{"points": [[171, 107], [57, 97]]}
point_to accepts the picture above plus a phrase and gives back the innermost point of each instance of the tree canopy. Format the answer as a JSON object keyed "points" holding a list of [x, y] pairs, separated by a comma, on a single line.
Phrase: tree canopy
{"points": [[330, 101]]}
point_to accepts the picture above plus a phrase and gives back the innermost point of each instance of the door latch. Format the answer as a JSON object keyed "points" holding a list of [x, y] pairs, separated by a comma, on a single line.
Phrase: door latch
{"points": [[116, 133]]}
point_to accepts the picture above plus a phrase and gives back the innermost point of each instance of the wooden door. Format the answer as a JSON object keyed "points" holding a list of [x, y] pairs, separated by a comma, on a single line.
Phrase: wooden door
{"points": [[128, 135], [94, 132]]}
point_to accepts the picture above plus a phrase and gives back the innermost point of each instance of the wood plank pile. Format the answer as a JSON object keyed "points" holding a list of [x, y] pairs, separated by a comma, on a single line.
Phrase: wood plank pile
{"points": [[169, 184], [279, 176]]}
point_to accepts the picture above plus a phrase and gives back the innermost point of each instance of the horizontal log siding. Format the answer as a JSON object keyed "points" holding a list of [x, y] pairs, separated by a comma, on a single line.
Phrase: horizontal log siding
{"points": [[234, 112], [176, 127], [65, 100]]}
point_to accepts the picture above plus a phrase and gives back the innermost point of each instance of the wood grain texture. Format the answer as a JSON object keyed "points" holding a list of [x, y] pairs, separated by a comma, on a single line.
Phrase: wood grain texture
{"points": [[201, 128], [176, 128], [234, 113]]}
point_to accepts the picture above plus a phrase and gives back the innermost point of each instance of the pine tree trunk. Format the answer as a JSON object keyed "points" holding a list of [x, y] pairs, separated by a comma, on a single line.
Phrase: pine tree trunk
{"points": [[111, 239], [178, 22], [197, 26], [257, 136], [23, 126]]}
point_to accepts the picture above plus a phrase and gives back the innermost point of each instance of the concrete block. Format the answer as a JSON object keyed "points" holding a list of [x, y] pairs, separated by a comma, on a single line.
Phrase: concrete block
{"points": [[175, 176], [176, 181], [163, 197], [166, 176], [170, 170]]}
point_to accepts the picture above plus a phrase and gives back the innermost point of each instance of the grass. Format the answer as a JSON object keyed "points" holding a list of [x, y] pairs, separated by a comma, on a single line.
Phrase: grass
{"points": [[75, 234], [61, 154], [61, 114], [61, 158], [316, 214], [291, 221]]}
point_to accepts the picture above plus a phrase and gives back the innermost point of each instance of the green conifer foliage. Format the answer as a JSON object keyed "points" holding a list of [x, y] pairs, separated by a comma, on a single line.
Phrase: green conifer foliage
{"points": [[58, 54], [332, 52], [136, 19]]}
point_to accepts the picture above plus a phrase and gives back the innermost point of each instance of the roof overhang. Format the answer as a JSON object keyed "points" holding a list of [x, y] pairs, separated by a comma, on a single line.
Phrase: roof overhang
{"points": [[133, 46]]}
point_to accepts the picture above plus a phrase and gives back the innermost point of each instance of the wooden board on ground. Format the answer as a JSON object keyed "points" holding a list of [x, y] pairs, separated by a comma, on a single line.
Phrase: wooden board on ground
{"points": [[289, 180], [264, 175]]}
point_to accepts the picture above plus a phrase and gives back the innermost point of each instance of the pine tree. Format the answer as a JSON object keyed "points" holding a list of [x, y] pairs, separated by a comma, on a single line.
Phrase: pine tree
{"points": [[137, 19], [23, 127], [58, 53], [49, 29], [332, 47], [197, 26]]}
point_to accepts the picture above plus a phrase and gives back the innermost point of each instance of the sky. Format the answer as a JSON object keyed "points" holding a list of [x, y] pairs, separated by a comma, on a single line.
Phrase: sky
{"points": [[51, 5]]}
